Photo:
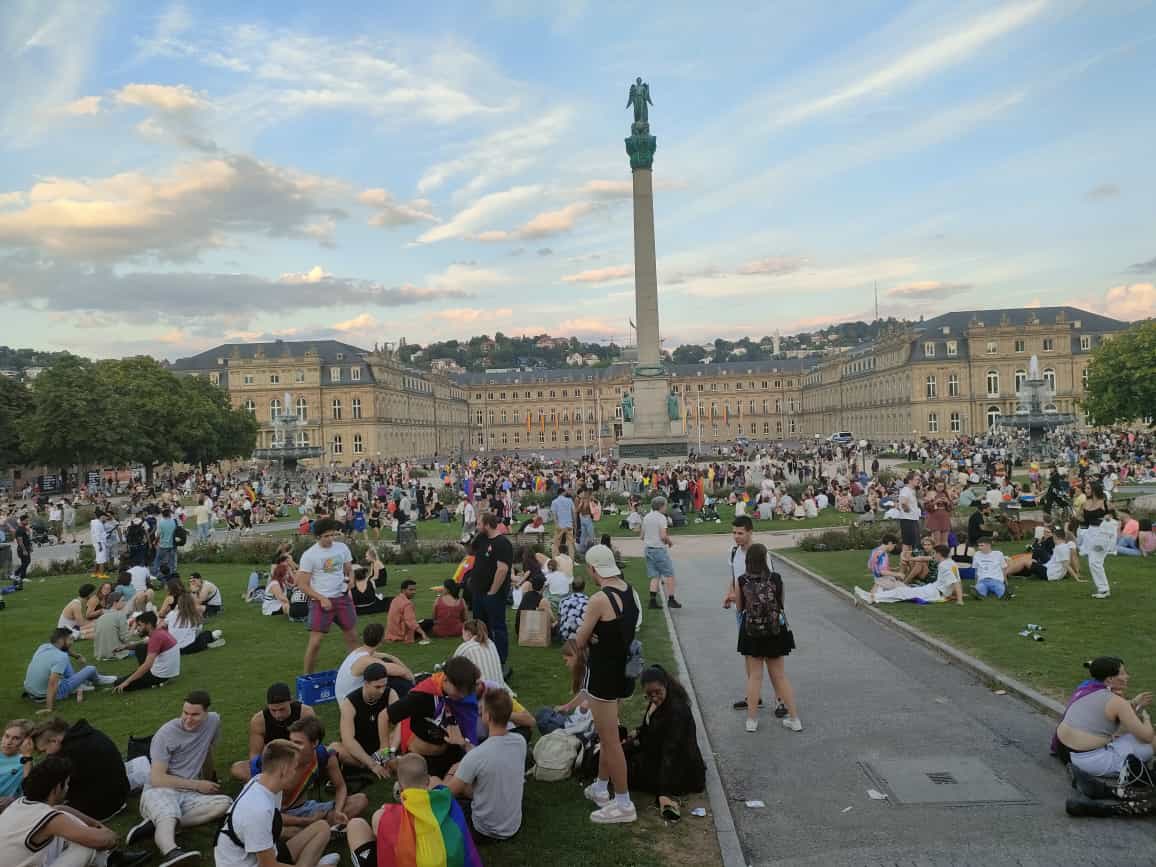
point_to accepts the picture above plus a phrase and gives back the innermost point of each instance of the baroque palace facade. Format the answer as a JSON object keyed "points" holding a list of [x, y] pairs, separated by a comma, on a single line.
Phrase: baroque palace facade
{"points": [[952, 375]]}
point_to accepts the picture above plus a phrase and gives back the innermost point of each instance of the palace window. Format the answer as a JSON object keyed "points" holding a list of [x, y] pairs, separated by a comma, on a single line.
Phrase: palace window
{"points": [[932, 388], [952, 348], [335, 374], [250, 407], [274, 379], [356, 407], [248, 379], [1021, 344], [929, 349], [355, 374], [992, 347], [1020, 376], [1050, 378], [299, 376], [302, 408], [1085, 342], [993, 383], [952, 385], [338, 446], [1049, 344], [274, 409], [932, 423], [993, 414], [214, 378], [358, 445], [956, 423], [303, 439], [337, 409]]}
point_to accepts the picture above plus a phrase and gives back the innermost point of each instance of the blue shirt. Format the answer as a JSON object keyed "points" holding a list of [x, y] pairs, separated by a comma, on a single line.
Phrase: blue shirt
{"points": [[563, 510], [166, 527], [47, 660], [11, 776]]}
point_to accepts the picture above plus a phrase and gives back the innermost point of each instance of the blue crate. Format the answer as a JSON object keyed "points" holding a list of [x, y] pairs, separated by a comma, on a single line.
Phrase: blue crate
{"points": [[317, 688]]}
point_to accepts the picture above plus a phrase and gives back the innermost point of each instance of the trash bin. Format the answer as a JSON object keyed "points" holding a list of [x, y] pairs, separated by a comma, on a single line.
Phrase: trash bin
{"points": [[407, 533]]}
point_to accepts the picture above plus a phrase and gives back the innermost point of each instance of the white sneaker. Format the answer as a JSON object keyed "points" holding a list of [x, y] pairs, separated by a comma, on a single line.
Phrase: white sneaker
{"points": [[106, 679], [612, 814], [792, 723], [220, 642], [86, 687], [217, 634], [752, 725], [329, 860], [601, 798], [862, 595], [1103, 594]]}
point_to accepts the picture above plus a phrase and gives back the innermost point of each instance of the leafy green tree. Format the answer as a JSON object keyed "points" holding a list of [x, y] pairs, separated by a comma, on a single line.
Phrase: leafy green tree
{"points": [[211, 429], [688, 354], [1122, 377], [145, 412], [69, 420], [15, 401]]}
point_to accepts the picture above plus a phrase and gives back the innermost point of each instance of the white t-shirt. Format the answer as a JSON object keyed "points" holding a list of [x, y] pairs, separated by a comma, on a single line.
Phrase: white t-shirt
{"points": [[140, 578], [270, 604], [346, 682], [634, 521], [214, 593], [1061, 556], [168, 662], [908, 504], [184, 633], [989, 565], [653, 523], [253, 825], [326, 567], [946, 576], [557, 583]]}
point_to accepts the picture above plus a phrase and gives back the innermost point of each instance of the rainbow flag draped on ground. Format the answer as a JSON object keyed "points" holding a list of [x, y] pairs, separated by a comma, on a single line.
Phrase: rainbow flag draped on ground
{"points": [[428, 829]]}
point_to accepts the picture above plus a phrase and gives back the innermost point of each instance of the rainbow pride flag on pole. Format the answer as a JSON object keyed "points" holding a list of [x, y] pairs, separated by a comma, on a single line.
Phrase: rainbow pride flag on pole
{"points": [[428, 829]]}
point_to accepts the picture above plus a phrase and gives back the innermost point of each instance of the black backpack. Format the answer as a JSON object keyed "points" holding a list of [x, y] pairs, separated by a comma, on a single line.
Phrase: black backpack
{"points": [[762, 610], [180, 536], [298, 605]]}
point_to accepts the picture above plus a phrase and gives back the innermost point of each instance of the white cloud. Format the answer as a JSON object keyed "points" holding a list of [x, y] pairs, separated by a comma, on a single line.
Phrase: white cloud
{"points": [[922, 290], [86, 105], [774, 265], [465, 278], [601, 275], [8, 200], [542, 225], [161, 97], [391, 213], [316, 274], [468, 220], [1128, 301], [589, 327], [363, 322], [464, 315]]}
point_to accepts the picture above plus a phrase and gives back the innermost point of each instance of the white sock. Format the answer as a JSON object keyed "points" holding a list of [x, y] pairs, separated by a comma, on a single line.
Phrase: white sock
{"points": [[622, 799], [601, 787]]}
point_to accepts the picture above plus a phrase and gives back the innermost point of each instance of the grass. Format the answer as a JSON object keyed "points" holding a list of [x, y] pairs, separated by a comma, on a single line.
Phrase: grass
{"points": [[263, 650], [1077, 627]]}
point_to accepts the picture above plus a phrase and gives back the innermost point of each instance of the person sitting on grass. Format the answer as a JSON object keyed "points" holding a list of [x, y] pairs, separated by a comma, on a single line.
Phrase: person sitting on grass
{"points": [[350, 674], [478, 649], [917, 565], [662, 754], [449, 612], [573, 716], [74, 617], [207, 594], [533, 599], [38, 829], [879, 564], [270, 723], [185, 624], [401, 623], [13, 752], [112, 638], [438, 717], [249, 835], [300, 800], [365, 743], [158, 655], [50, 677], [274, 600], [490, 777], [946, 586], [990, 572], [429, 819]]}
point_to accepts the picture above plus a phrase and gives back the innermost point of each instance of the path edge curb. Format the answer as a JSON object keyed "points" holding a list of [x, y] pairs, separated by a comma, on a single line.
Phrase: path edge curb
{"points": [[980, 669], [730, 848]]}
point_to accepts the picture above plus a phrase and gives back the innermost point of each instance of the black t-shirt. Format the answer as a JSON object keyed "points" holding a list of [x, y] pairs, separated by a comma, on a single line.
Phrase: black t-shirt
{"points": [[489, 554], [974, 527], [23, 540]]}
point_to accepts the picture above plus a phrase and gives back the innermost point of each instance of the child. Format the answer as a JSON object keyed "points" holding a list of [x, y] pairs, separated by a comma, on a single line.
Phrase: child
{"points": [[574, 716]]}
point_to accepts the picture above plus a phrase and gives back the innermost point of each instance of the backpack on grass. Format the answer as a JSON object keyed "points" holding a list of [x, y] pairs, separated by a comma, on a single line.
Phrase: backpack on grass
{"points": [[554, 756]]}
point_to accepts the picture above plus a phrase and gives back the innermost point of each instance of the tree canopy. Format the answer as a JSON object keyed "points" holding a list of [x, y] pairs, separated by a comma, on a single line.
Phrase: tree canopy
{"points": [[1122, 377]]}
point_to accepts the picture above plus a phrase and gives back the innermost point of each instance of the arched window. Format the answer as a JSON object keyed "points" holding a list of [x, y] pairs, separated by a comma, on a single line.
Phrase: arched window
{"points": [[302, 408], [1021, 375], [956, 423], [274, 409], [932, 388], [993, 383], [1050, 377], [952, 385], [358, 444], [337, 409], [993, 414], [338, 446], [932, 423], [250, 407], [1050, 407]]}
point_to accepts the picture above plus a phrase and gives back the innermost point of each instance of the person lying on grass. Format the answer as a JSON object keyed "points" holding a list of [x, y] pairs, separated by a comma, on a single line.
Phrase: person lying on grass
{"points": [[946, 586]]}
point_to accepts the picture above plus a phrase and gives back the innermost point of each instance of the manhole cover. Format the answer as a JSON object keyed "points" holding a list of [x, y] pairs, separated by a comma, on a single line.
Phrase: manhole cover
{"points": [[946, 781]]}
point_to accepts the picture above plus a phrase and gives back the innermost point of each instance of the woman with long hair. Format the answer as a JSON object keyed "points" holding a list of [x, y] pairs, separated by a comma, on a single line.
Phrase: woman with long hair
{"points": [[574, 715], [449, 611], [662, 754], [184, 623], [938, 505], [765, 638], [477, 647]]}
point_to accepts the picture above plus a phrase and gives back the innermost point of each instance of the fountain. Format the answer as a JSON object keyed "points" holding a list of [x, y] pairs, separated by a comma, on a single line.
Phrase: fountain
{"points": [[284, 449], [1036, 412]]}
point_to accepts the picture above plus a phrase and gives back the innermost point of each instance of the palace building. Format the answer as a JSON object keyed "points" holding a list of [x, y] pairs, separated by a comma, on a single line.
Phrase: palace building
{"points": [[951, 375]]}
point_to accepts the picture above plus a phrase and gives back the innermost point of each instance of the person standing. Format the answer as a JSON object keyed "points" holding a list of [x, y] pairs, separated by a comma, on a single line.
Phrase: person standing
{"points": [[323, 575], [562, 508], [99, 540], [166, 542], [765, 638], [656, 544], [909, 513], [607, 632], [180, 753], [489, 582], [23, 552]]}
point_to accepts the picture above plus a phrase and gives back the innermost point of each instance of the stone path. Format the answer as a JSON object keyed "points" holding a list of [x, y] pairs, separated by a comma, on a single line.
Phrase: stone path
{"points": [[868, 696]]}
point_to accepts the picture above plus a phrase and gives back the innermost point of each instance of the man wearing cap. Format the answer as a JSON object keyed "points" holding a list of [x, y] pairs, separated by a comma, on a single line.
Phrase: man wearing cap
{"points": [[364, 724], [271, 723], [324, 576], [656, 544]]}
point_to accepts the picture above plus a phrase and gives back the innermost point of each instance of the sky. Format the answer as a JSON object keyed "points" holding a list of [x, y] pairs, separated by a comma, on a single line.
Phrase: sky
{"points": [[177, 176]]}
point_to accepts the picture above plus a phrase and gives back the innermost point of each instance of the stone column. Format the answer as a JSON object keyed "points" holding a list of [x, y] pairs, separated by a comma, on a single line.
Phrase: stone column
{"points": [[645, 270]]}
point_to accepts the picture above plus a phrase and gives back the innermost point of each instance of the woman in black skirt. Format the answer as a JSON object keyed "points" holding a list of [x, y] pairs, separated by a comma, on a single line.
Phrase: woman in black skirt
{"points": [[764, 636]]}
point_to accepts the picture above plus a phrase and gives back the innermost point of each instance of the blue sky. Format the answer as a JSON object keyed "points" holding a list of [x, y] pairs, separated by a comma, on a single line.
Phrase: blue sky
{"points": [[172, 176]]}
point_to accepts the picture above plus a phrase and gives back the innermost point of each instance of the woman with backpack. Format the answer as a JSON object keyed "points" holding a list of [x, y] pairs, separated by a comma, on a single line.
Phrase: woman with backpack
{"points": [[764, 636]]}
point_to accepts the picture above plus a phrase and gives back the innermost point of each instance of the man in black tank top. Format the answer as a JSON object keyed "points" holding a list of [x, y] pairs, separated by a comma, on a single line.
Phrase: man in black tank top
{"points": [[270, 723], [363, 720]]}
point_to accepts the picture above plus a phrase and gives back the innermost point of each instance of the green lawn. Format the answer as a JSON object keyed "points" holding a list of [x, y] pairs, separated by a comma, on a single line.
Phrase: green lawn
{"points": [[263, 650], [1077, 626]]}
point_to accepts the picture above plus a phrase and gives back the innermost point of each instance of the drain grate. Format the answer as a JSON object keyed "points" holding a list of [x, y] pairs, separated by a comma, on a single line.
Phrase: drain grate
{"points": [[946, 781]]}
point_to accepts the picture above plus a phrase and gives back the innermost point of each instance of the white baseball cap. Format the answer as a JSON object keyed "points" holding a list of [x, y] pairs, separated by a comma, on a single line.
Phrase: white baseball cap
{"points": [[601, 560]]}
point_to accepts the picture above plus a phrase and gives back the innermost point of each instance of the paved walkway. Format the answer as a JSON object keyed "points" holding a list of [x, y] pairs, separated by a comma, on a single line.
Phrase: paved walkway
{"points": [[867, 694]]}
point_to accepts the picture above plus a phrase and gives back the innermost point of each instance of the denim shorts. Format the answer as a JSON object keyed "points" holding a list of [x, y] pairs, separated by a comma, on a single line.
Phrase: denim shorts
{"points": [[658, 563], [309, 808]]}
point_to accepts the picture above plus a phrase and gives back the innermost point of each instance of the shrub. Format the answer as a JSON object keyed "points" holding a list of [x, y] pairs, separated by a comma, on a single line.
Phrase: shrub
{"points": [[856, 537]]}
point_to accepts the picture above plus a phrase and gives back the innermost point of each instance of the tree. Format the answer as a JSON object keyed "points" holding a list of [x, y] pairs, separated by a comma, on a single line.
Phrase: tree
{"points": [[69, 420], [1122, 377], [211, 429], [688, 353], [145, 412], [14, 403]]}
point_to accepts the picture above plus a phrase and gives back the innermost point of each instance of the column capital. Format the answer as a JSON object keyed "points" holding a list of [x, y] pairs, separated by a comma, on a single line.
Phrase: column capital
{"points": [[640, 148]]}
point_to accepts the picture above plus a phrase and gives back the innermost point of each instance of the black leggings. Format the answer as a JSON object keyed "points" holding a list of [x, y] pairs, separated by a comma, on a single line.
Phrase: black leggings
{"points": [[201, 642]]}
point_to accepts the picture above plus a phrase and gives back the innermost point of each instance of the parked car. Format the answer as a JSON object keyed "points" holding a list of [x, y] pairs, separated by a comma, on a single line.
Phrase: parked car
{"points": [[843, 436]]}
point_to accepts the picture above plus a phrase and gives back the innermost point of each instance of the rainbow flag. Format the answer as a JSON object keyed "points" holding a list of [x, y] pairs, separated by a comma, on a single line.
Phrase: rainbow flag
{"points": [[428, 829]]}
